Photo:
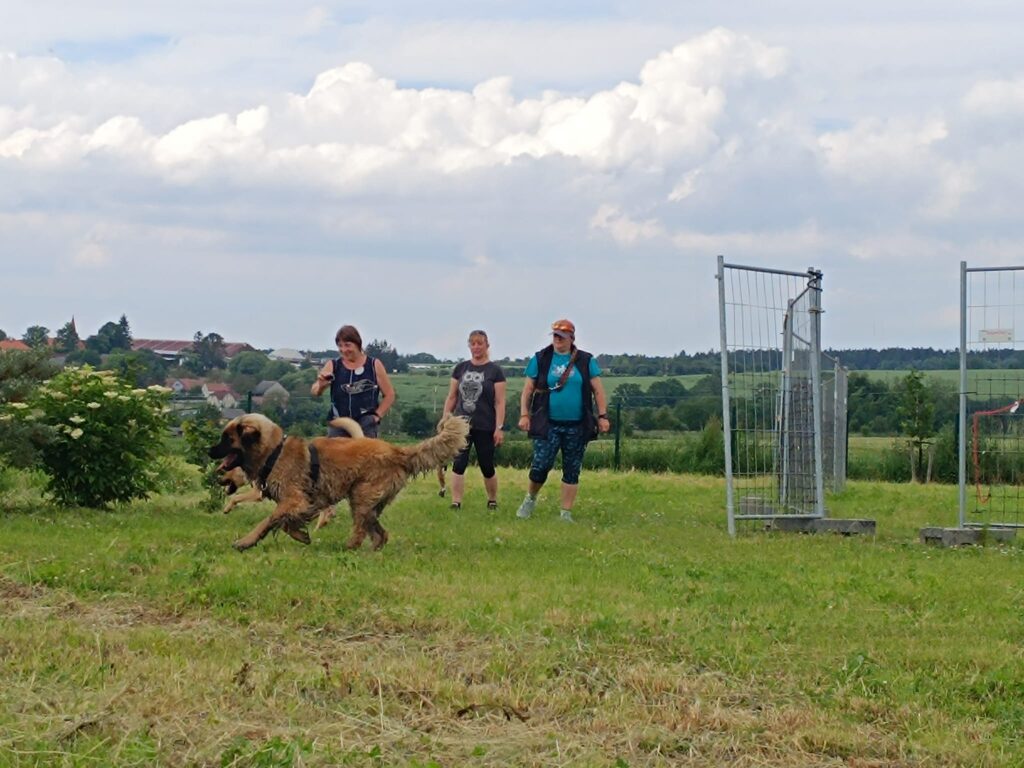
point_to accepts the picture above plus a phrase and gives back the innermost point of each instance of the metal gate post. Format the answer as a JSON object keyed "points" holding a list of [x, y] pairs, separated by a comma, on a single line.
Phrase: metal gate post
{"points": [[726, 425], [819, 470]]}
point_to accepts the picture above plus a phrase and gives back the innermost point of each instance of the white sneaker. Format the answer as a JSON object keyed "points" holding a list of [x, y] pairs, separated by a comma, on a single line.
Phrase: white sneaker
{"points": [[526, 508], [566, 516]]}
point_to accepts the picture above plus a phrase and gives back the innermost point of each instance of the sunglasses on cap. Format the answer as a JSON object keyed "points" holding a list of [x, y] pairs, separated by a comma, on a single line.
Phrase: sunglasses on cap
{"points": [[563, 326]]}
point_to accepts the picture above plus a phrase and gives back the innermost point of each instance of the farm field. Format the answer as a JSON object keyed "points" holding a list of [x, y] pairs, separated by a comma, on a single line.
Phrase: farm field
{"points": [[429, 391], [639, 636], [990, 383]]}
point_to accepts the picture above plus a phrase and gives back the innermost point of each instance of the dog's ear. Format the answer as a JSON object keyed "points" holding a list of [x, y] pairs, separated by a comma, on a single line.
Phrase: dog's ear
{"points": [[248, 434]]}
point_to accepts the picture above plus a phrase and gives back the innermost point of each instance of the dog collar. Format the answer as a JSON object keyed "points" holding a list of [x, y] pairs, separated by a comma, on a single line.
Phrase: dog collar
{"points": [[268, 465]]}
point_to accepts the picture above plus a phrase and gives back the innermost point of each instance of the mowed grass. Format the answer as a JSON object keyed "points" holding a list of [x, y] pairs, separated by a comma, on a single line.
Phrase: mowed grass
{"points": [[642, 635]]}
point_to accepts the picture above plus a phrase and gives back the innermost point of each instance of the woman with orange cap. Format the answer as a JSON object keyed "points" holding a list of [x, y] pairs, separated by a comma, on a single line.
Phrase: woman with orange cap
{"points": [[557, 408]]}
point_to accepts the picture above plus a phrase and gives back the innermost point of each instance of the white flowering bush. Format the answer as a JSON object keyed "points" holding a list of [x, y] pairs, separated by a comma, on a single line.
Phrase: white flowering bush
{"points": [[105, 435]]}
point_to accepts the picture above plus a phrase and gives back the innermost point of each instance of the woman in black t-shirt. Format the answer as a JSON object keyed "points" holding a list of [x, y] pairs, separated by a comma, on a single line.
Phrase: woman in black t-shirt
{"points": [[477, 391]]}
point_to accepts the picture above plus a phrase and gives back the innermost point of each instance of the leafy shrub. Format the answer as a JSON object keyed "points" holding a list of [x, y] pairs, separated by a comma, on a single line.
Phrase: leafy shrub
{"points": [[20, 373], [175, 475], [202, 430], [104, 435]]}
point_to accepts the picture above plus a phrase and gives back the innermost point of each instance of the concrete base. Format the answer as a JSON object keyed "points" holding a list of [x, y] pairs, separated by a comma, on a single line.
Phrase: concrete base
{"points": [[845, 527], [959, 537]]}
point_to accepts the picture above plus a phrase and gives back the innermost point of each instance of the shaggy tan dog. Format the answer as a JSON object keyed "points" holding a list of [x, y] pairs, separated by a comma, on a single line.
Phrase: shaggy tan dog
{"points": [[368, 472], [234, 479]]}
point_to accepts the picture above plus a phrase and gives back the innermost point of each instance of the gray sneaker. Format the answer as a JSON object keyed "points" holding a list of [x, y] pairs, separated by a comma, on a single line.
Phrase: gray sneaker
{"points": [[526, 508], [566, 516]]}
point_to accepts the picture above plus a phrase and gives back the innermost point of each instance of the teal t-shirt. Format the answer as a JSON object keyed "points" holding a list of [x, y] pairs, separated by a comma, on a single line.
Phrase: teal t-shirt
{"points": [[567, 403]]}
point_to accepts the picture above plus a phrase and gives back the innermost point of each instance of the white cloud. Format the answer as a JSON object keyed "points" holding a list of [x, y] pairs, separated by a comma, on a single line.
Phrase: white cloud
{"points": [[623, 229], [996, 98], [288, 148], [91, 255]]}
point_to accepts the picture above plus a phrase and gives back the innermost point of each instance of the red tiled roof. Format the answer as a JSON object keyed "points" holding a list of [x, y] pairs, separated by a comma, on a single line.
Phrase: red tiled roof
{"points": [[13, 344], [221, 389], [188, 384], [173, 347]]}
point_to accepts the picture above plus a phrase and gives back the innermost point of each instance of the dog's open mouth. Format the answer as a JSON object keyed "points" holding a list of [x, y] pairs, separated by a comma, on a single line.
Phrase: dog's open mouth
{"points": [[231, 460]]}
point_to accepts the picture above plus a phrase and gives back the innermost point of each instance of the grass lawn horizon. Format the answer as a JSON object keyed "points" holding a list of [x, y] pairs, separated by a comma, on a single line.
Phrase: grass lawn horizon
{"points": [[641, 635]]}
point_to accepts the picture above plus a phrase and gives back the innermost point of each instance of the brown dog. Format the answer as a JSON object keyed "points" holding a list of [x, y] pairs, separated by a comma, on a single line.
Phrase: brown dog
{"points": [[234, 480], [369, 473]]}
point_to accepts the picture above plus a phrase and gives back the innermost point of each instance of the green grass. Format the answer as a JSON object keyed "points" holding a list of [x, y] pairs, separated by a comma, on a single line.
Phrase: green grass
{"points": [[986, 384], [429, 391], [640, 636]]}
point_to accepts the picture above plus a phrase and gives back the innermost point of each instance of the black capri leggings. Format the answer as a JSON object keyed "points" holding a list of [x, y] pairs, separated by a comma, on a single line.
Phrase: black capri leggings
{"points": [[483, 439]]}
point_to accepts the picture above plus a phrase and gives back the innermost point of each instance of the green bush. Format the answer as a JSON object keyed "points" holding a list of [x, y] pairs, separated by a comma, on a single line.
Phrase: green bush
{"points": [[20, 373], [175, 475], [201, 430], [105, 436]]}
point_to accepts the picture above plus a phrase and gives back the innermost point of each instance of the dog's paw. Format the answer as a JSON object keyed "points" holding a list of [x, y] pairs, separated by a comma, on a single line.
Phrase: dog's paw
{"points": [[299, 534], [241, 545]]}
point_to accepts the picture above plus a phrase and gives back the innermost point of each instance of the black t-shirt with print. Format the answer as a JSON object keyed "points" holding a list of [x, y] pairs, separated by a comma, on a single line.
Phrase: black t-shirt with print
{"points": [[475, 393]]}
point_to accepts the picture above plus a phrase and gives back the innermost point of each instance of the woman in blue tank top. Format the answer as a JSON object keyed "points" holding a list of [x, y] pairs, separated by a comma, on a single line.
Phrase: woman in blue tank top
{"points": [[359, 384]]}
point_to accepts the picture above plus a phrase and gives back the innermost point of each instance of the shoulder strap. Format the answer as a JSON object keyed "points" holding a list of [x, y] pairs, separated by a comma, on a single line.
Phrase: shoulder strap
{"points": [[544, 358]]}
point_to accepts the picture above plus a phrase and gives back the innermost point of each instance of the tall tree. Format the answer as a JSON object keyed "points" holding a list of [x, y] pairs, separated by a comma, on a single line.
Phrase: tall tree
{"points": [[916, 411], [124, 334], [36, 336], [387, 354], [207, 352], [3, 335], [111, 336], [67, 338]]}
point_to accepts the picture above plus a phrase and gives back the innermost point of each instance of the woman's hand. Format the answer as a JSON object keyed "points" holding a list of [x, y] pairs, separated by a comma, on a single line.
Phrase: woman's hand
{"points": [[499, 436], [524, 423]]}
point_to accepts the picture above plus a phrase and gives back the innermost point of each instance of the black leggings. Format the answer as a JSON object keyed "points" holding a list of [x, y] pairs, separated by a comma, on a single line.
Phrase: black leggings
{"points": [[483, 439]]}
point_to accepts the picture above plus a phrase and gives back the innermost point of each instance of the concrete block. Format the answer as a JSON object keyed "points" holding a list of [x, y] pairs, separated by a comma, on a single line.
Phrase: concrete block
{"points": [[960, 537], [843, 526]]}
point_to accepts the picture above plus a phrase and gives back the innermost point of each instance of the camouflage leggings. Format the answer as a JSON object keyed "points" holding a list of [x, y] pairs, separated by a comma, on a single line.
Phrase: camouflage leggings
{"points": [[568, 438]]}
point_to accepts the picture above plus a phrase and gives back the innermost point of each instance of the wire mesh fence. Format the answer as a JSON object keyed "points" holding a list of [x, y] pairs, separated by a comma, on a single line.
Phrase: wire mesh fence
{"points": [[991, 444], [773, 398]]}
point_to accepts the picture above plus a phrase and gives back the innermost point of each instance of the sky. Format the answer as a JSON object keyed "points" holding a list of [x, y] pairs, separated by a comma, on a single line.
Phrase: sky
{"points": [[271, 170]]}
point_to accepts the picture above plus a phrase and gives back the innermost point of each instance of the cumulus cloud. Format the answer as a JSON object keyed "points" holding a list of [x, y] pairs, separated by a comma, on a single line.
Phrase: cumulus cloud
{"points": [[713, 145], [354, 122]]}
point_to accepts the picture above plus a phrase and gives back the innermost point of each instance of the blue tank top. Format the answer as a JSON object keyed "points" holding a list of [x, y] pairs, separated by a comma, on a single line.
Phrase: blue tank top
{"points": [[354, 393]]}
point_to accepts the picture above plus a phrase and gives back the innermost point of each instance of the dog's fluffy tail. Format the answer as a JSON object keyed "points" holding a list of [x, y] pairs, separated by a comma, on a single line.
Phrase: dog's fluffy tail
{"points": [[439, 449], [349, 425]]}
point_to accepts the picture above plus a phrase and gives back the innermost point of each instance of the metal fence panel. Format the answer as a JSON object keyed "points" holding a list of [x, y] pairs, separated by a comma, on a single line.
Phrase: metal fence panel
{"points": [[772, 408], [991, 445]]}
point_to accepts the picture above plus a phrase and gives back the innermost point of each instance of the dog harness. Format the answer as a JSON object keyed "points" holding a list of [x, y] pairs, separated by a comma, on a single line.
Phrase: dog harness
{"points": [[268, 465]]}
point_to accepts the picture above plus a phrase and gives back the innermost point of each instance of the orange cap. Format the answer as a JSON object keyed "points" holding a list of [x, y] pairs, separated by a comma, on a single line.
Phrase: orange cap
{"points": [[564, 328]]}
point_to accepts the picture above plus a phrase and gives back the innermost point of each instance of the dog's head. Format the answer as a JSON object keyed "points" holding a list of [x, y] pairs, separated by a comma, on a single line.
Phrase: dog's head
{"points": [[246, 442], [232, 480]]}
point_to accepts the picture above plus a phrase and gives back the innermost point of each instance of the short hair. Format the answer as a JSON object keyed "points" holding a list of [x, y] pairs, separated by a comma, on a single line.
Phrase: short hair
{"points": [[350, 334]]}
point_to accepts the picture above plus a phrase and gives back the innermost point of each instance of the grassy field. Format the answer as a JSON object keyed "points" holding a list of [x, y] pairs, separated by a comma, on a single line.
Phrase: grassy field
{"points": [[429, 391], [639, 636]]}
